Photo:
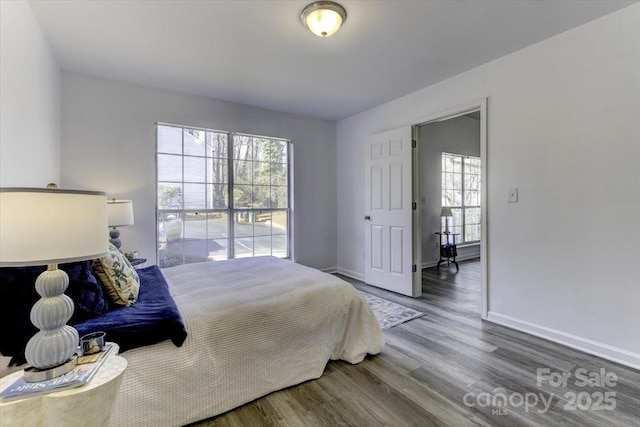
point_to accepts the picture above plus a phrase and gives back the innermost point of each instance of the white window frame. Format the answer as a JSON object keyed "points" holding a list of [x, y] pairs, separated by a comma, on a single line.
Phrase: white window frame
{"points": [[231, 211], [462, 207]]}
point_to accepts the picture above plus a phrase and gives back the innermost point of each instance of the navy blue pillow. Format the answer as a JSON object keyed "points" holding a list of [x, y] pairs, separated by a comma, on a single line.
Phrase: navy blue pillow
{"points": [[18, 294], [85, 291]]}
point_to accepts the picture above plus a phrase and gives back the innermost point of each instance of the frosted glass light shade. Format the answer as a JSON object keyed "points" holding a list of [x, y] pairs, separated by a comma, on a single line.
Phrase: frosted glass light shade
{"points": [[323, 18], [49, 226], [120, 212]]}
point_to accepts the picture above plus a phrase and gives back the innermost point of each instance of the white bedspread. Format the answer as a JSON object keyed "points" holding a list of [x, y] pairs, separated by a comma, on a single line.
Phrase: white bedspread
{"points": [[255, 325]]}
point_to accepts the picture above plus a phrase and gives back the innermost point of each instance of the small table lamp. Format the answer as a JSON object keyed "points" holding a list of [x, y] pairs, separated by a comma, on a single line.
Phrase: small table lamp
{"points": [[446, 213], [120, 213], [49, 226]]}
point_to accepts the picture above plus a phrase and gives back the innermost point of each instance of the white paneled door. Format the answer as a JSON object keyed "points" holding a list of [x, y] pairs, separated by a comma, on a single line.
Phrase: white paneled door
{"points": [[388, 218]]}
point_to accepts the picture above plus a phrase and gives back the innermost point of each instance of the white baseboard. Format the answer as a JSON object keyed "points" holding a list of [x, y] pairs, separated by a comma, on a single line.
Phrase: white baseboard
{"points": [[330, 270], [595, 348], [429, 264], [349, 273]]}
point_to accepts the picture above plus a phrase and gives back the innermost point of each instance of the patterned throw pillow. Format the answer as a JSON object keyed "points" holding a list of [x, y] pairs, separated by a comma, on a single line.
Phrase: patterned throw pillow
{"points": [[119, 279]]}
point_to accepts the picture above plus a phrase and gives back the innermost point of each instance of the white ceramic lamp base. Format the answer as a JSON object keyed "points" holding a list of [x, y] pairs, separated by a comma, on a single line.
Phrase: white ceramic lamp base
{"points": [[114, 233], [56, 342]]}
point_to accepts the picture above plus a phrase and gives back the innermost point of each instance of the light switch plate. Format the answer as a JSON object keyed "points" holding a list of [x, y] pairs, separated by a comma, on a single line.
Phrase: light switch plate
{"points": [[512, 196]]}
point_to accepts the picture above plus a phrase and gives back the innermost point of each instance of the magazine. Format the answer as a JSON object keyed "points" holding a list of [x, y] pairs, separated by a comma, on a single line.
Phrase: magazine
{"points": [[80, 375]]}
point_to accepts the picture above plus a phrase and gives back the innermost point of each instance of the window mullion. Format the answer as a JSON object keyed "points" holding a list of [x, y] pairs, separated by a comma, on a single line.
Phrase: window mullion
{"points": [[230, 205], [206, 196], [462, 216], [253, 189], [184, 217]]}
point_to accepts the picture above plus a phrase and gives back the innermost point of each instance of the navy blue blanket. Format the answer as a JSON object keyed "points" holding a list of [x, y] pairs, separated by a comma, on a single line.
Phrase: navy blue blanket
{"points": [[153, 318]]}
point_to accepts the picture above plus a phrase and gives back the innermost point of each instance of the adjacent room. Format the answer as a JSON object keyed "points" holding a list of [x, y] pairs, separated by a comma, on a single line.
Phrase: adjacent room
{"points": [[450, 187], [296, 213]]}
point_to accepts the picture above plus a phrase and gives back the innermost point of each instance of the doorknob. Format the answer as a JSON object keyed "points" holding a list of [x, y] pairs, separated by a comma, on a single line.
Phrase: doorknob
{"points": [[367, 217]]}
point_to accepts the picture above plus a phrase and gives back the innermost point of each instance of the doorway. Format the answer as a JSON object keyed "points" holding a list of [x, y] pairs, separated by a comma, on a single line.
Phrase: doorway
{"points": [[393, 211], [450, 170]]}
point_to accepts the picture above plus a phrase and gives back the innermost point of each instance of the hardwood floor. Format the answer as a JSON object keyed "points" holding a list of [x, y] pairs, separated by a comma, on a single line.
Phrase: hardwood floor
{"points": [[445, 368]]}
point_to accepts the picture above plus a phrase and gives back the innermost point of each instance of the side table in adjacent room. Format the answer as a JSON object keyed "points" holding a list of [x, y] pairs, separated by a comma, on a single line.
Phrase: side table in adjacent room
{"points": [[448, 249], [90, 404]]}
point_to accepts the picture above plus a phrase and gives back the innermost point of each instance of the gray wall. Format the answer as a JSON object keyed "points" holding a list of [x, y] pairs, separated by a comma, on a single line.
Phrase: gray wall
{"points": [[29, 107], [562, 126], [29, 101], [460, 135], [108, 143]]}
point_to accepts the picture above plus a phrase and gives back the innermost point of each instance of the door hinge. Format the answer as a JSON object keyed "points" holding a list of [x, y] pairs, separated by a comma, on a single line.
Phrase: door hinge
{"points": [[414, 143], [414, 206], [414, 268]]}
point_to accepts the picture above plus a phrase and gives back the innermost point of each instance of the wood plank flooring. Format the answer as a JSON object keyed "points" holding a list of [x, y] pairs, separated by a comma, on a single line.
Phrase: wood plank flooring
{"points": [[445, 368]]}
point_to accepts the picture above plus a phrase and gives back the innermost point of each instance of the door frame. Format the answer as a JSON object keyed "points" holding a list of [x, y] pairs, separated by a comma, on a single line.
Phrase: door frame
{"points": [[460, 110]]}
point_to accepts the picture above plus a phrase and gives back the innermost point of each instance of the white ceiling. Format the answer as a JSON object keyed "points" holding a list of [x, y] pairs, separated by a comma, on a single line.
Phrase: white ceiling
{"points": [[259, 53]]}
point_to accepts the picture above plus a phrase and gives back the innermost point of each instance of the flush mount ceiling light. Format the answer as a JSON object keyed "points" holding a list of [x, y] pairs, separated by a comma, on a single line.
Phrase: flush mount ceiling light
{"points": [[323, 18]]}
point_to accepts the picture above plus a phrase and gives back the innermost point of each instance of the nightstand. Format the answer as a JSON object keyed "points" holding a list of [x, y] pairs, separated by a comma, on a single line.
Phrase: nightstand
{"points": [[90, 404], [138, 262]]}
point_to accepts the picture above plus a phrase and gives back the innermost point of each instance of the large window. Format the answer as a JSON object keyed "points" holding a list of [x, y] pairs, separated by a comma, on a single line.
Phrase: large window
{"points": [[221, 195], [461, 192]]}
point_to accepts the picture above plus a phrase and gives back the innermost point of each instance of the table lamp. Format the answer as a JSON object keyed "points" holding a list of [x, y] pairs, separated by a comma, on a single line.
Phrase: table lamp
{"points": [[446, 213], [120, 214], [45, 227]]}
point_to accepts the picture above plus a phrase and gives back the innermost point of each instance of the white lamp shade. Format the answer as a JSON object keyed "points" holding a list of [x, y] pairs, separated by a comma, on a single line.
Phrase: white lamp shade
{"points": [[49, 226], [446, 211], [120, 212], [323, 18]]}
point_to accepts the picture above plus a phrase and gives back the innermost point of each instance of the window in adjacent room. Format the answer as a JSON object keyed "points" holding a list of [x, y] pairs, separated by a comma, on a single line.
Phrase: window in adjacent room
{"points": [[461, 188], [221, 195]]}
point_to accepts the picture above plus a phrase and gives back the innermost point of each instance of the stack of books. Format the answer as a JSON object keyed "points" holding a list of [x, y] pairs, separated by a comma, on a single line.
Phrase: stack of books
{"points": [[80, 375]]}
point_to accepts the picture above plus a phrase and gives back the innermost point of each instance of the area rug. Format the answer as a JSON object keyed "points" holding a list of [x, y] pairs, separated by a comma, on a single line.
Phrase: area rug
{"points": [[390, 314]]}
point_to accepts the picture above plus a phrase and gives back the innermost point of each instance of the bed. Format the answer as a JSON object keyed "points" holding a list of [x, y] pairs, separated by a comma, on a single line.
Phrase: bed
{"points": [[254, 325]]}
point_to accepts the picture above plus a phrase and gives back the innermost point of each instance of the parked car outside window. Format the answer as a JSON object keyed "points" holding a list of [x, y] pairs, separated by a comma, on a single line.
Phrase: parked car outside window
{"points": [[169, 229]]}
